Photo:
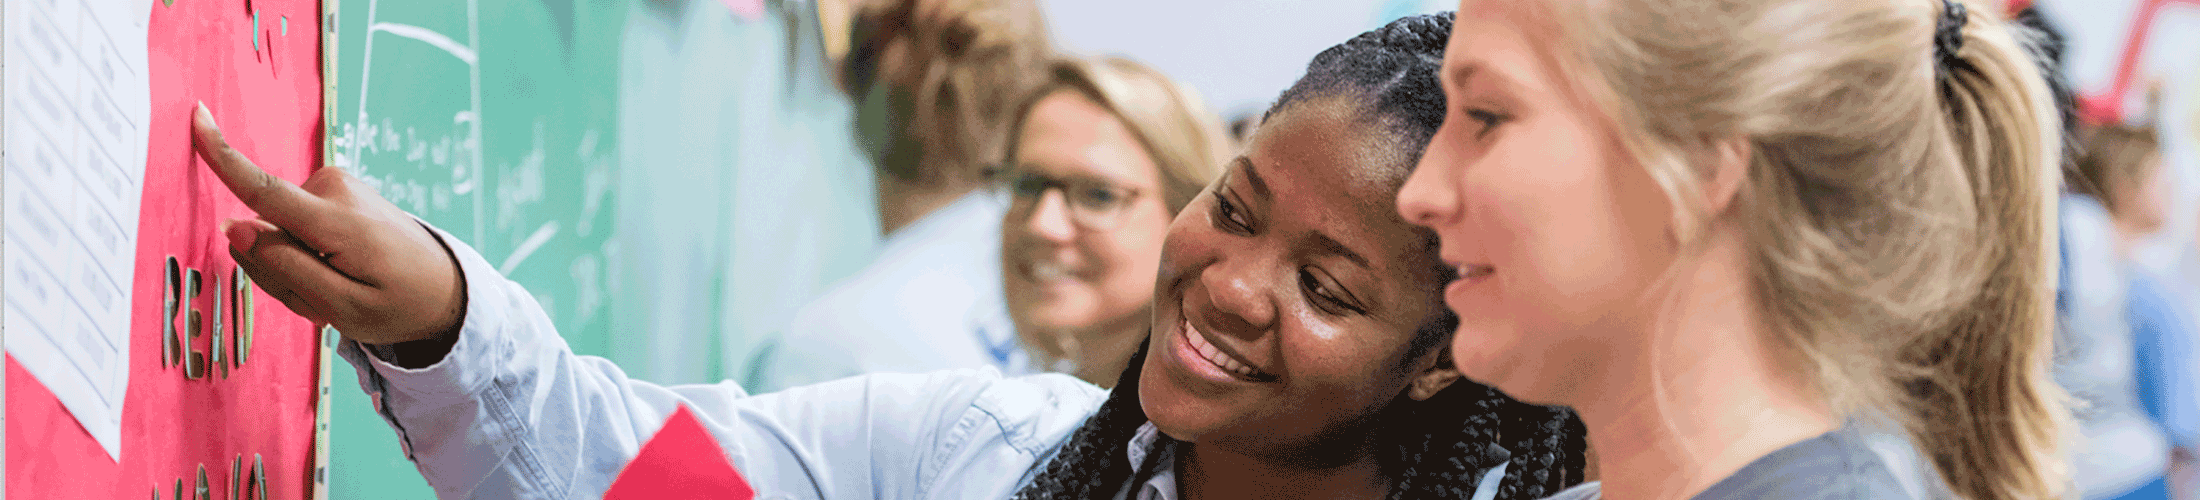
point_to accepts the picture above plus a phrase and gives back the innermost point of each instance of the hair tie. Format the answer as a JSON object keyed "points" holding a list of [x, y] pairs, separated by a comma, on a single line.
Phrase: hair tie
{"points": [[1948, 34]]}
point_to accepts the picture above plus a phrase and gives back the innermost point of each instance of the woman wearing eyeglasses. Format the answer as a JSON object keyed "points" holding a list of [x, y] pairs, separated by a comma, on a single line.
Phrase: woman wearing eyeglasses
{"points": [[1103, 157], [1099, 158]]}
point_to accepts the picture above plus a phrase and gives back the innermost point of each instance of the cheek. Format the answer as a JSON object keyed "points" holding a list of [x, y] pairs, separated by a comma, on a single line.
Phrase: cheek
{"points": [[1554, 217], [1017, 240], [1343, 372], [1189, 240], [1571, 231], [1131, 255]]}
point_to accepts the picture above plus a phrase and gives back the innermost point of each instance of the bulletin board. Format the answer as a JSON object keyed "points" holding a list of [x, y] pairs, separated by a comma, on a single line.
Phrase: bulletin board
{"points": [[225, 386]]}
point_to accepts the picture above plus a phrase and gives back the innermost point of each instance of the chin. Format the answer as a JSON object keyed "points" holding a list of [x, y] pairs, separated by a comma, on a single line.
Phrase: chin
{"points": [[1175, 412], [1052, 316], [1495, 357]]}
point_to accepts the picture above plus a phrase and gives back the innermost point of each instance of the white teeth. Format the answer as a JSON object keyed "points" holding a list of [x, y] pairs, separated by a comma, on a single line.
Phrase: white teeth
{"points": [[1213, 354], [1047, 271]]}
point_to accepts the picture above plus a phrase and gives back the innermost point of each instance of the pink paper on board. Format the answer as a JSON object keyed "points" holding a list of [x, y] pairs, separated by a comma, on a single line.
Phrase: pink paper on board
{"points": [[749, 10], [268, 102], [681, 462]]}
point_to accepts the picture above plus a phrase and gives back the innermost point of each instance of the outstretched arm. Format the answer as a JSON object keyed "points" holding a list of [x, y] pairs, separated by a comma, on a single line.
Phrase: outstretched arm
{"points": [[490, 402]]}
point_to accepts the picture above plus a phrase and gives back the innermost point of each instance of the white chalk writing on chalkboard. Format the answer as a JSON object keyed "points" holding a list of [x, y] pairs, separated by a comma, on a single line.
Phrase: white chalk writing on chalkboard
{"points": [[422, 148]]}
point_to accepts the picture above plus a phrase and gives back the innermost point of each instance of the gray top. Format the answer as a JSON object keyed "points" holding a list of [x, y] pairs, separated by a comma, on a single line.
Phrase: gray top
{"points": [[1833, 466]]}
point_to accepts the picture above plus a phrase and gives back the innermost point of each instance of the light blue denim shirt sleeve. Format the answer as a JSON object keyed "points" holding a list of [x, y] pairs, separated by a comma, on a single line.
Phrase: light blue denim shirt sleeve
{"points": [[511, 412]]}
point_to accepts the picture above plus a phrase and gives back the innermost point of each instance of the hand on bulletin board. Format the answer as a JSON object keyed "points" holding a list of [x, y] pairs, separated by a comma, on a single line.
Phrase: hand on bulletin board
{"points": [[216, 385]]}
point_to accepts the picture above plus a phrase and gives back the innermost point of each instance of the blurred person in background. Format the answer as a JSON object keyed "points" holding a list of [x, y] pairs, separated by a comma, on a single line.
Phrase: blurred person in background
{"points": [[2118, 171], [1097, 160], [935, 84], [2184, 470], [1103, 157]]}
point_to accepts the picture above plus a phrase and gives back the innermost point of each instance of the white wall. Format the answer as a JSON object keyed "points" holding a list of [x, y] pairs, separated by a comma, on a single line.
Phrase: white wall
{"points": [[1238, 53], [2098, 30]]}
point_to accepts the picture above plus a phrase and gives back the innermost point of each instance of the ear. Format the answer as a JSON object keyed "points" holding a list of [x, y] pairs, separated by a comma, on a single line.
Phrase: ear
{"points": [[1435, 379], [1730, 158]]}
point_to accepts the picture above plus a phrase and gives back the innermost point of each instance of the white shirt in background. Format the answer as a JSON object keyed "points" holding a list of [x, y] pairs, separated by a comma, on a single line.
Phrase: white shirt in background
{"points": [[932, 300]]}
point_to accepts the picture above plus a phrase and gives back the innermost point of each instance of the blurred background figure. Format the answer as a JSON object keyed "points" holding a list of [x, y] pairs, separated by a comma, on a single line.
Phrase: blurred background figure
{"points": [[1097, 158], [2119, 177], [2126, 347], [1104, 155], [935, 83]]}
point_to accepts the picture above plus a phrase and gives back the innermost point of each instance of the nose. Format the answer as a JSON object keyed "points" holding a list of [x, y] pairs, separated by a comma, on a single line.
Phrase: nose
{"points": [[1427, 199], [1050, 218], [1238, 299]]}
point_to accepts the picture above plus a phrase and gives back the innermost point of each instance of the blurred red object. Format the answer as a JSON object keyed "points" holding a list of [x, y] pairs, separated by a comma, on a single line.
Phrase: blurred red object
{"points": [[681, 462]]}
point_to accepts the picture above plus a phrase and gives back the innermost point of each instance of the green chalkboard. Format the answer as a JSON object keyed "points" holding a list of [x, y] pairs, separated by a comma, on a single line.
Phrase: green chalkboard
{"points": [[494, 120], [671, 179]]}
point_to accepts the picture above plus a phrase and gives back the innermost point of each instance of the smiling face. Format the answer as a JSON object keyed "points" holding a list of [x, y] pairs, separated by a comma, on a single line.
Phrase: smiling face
{"points": [[1290, 291], [1556, 234], [1062, 277]]}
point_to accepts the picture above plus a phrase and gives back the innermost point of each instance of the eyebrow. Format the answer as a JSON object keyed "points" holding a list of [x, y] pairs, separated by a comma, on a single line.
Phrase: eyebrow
{"points": [[1321, 242], [1253, 177], [1325, 243], [1458, 75]]}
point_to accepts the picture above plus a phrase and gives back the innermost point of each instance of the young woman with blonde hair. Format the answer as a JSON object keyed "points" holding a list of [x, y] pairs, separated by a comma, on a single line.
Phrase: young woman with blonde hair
{"points": [[1728, 233], [1100, 159]]}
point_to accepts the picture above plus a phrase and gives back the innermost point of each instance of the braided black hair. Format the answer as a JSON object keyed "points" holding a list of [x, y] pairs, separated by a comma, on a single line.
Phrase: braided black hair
{"points": [[1441, 445]]}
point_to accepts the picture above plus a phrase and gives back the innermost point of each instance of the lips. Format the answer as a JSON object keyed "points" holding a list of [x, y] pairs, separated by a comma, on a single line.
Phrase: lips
{"points": [[1229, 362], [1475, 272]]}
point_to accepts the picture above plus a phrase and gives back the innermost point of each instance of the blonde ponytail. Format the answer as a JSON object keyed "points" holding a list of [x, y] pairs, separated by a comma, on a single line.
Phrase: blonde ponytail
{"points": [[1900, 204], [1987, 414]]}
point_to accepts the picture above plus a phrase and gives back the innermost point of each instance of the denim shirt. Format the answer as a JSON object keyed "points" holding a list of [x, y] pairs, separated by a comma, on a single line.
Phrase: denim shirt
{"points": [[511, 412]]}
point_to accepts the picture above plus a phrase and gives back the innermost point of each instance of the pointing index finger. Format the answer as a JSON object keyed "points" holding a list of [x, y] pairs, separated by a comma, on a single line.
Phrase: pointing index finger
{"points": [[277, 200]]}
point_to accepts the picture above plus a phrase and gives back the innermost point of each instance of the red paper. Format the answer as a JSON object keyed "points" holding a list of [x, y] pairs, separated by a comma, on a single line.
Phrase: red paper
{"points": [[681, 462], [269, 104]]}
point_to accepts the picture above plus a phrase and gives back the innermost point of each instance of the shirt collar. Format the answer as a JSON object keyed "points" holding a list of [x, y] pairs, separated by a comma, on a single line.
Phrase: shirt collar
{"points": [[1162, 486], [1148, 440]]}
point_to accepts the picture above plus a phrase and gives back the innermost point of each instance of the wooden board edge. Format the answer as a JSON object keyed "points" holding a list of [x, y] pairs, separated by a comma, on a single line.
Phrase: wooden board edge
{"points": [[325, 339]]}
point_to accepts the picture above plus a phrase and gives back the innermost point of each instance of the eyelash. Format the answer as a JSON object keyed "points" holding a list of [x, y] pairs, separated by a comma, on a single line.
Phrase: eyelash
{"points": [[1490, 120], [1314, 290], [1228, 214], [1227, 218]]}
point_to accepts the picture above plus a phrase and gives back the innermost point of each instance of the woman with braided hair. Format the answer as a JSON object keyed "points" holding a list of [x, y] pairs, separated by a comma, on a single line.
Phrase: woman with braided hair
{"points": [[1297, 347]]}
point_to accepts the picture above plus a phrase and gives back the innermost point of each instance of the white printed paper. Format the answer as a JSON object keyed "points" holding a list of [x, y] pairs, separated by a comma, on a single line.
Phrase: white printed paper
{"points": [[78, 101]]}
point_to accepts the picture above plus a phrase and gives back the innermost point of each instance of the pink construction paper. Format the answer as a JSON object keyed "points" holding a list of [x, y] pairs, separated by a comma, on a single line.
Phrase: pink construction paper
{"points": [[681, 462], [269, 104]]}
